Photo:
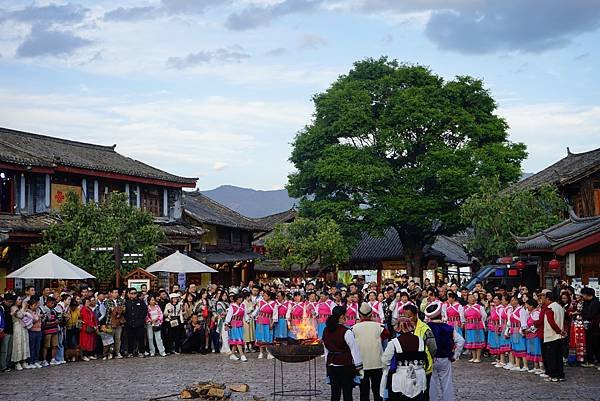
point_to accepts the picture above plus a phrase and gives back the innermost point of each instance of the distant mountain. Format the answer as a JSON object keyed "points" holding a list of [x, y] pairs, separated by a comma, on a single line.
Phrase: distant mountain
{"points": [[251, 202]]}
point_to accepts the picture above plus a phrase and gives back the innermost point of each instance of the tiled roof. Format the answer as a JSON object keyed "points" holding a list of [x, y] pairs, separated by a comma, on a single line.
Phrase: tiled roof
{"points": [[561, 234], [386, 247], [178, 229], [224, 257], [272, 220], [274, 266], [564, 171], [27, 149], [205, 210], [25, 223], [389, 247]]}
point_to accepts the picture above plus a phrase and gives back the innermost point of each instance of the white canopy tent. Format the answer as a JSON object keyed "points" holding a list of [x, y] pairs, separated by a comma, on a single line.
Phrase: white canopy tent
{"points": [[179, 263], [50, 266]]}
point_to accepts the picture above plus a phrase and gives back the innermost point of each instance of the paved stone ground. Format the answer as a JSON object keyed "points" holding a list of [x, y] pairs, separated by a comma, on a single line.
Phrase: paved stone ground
{"points": [[145, 379]]}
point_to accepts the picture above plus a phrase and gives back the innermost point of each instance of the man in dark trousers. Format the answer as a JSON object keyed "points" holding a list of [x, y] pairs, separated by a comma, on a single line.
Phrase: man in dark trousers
{"points": [[554, 332], [441, 377], [135, 316], [591, 318]]}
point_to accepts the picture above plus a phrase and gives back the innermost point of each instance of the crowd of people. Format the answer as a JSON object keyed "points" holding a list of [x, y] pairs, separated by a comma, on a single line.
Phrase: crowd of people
{"points": [[397, 341]]}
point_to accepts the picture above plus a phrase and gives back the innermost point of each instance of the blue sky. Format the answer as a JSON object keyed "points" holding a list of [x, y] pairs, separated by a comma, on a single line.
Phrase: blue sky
{"points": [[217, 89]]}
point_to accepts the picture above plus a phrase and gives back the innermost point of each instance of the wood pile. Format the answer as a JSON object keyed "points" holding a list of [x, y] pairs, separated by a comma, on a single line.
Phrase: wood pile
{"points": [[211, 391]]}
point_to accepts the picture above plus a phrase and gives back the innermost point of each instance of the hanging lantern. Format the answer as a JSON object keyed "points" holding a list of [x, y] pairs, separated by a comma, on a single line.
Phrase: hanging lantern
{"points": [[520, 265], [554, 264]]}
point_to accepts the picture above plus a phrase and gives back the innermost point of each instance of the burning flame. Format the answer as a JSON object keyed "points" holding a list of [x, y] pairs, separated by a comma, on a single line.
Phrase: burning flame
{"points": [[306, 330]]}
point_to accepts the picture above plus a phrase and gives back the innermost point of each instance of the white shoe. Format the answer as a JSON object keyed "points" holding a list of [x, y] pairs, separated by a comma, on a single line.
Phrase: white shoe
{"points": [[269, 356], [260, 355], [110, 356], [62, 362], [37, 365], [146, 354], [104, 358], [233, 357], [515, 368], [119, 356], [45, 364], [508, 366], [243, 358], [544, 376], [85, 358], [54, 362], [152, 354], [523, 369], [28, 366], [93, 358], [18, 366], [163, 354]]}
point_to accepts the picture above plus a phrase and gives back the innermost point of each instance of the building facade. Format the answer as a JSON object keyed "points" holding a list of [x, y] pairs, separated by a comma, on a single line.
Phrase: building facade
{"points": [[37, 171]]}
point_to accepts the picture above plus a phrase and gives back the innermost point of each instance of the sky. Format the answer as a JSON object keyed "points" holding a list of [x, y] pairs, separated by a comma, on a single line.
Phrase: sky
{"points": [[217, 89]]}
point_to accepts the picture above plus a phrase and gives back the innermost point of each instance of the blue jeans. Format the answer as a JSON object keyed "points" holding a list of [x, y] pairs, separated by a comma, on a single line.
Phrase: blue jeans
{"points": [[60, 353], [35, 342]]}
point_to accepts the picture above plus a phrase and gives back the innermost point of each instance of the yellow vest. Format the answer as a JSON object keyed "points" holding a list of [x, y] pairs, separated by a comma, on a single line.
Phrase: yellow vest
{"points": [[420, 330]]}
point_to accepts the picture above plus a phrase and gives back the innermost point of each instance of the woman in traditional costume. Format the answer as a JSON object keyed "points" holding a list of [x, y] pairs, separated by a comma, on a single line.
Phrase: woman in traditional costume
{"points": [[518, 325], [234, 322], [266, 316], [533, 342], [475, 318]]}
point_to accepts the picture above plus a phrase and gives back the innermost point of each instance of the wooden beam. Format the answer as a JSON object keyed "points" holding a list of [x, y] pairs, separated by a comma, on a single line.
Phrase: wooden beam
{"points": [[578, 245], [125, 177]]}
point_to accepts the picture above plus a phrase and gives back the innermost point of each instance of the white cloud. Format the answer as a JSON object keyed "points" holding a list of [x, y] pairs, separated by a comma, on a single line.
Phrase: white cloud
{"points": [[548, 128], [219, 166], [181, 135]]}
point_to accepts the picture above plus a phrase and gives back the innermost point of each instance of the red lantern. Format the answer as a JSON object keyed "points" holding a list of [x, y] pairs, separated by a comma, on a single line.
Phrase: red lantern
{"points": [[554, 264], [520, 265]]}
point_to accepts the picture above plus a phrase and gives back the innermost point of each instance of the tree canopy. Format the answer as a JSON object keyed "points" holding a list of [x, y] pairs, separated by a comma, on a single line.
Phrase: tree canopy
{"points": [[394, 145], [83, 227], [304, 241], [498, 215]]}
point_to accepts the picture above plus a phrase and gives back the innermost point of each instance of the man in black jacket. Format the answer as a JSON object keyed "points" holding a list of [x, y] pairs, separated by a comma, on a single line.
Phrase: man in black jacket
{"points": [[135, 316], [591, 317]]}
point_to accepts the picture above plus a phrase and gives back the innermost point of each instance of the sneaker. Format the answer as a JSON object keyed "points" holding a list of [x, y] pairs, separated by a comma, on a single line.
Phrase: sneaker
{"points": [[260, 355], [269, 356], [146, 353], [213, 351], [587, 365], [62, 362], [233, 357], [163, 354], [141, 355], [515, 368], [524, 369], [176, 353], [45, 364], [549, 379], [85, 358], [18, 366], [561, 379], [93, 357], [531, 371], [129, 355], [119, 356], [110, 356], [29, 366], [544, 376], [508, 366], [243, 358], [54, 362]]}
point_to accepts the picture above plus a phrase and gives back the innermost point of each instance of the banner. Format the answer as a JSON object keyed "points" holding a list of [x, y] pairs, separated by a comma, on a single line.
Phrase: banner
{"points": [[58, 194]]}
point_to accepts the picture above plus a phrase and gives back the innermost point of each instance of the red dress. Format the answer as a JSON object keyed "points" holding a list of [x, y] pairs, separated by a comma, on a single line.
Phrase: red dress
{"points": [[87, 341]]}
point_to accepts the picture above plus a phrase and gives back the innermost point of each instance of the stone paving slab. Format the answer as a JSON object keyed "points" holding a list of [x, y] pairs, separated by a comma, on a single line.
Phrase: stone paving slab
{"points": [[144, 379]]}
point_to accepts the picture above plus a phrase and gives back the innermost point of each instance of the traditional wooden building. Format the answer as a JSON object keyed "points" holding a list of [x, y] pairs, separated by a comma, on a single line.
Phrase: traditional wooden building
{"points": [[570, 249], [37, 171], [577, 177], [227, 244], [574, 244]]}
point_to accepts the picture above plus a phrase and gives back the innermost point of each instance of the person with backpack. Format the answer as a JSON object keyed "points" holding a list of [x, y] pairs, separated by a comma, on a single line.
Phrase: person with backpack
{"points": [[50, 329], [445, 335]]}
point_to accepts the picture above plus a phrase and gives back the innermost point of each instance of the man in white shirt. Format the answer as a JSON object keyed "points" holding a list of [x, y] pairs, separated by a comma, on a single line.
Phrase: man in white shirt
{"points": [[368, 338]]}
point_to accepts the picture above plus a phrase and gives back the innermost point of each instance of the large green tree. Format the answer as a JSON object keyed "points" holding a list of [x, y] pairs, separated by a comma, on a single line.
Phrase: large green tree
{"points": [[395, 145], [303, 242], [83, 227], [498, 215]]}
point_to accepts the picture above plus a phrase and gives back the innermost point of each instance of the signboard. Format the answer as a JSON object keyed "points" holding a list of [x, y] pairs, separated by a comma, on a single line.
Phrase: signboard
{"points": [[181, 280], [58, 194], [137, 283], [370, 275]]}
